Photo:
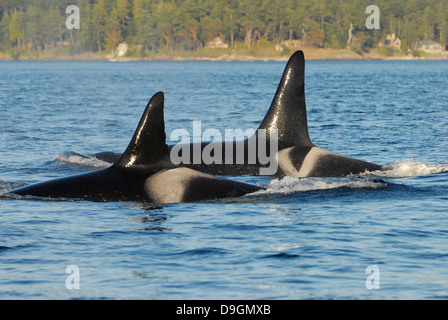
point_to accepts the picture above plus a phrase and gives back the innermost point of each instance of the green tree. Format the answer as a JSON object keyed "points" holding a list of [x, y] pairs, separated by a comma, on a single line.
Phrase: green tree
{"points": [[249, 20], [113, 38], [442, 22], [121, 14], [189, 24], [229, 21], [164, 13], [87, 27], [99, 17], [211, 28], [145, 27], [53, 22], [16, 33], [34, 29], [190, 33], [294, 15], [4, 30], [315, 35]]}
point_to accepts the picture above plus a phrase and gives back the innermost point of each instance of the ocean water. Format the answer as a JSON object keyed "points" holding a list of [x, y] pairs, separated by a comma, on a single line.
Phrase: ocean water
{"points": [[298, 239]]}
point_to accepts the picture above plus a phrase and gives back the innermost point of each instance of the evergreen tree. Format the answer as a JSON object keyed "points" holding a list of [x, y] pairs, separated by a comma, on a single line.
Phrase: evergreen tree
{"points": [[16, 33], [189, 24], [34, 29], [99, 18]]}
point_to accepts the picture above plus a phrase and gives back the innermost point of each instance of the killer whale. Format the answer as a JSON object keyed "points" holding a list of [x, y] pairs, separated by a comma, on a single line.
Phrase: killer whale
{"points": [[287, 117], [143, 173], [298, 156], [286, 122]]}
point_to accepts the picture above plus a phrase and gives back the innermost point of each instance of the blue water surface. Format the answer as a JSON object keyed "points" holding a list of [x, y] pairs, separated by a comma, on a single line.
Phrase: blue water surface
{"points": [[302, 239]]}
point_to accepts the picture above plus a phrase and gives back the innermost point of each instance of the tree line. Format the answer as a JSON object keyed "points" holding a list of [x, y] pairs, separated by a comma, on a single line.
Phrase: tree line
{"points": [[168, 25]]}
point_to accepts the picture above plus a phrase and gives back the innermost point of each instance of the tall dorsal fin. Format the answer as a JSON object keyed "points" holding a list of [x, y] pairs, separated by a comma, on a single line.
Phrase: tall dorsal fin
{"points": [[148, 145], [287, 113]]}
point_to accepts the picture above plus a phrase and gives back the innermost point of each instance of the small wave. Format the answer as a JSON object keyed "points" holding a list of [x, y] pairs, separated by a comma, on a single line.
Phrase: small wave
{"points": [[288, 185], [203, 252], [79, 160], [281, 256], [13, 196], [6, 186], [18, 247], [409, 168]]}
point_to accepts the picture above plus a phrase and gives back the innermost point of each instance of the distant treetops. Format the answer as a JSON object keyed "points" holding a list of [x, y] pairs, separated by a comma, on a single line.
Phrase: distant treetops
{"points": [[164, 25]]}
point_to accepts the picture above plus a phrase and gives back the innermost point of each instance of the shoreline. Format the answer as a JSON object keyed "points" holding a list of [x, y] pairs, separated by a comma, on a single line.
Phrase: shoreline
{"points": [[311, 54]]}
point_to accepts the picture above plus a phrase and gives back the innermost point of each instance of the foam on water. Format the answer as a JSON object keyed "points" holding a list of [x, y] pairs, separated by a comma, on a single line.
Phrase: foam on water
{"points": [[399, 169], [289, 185], [78, 160], [6, 186], [409, 168]]}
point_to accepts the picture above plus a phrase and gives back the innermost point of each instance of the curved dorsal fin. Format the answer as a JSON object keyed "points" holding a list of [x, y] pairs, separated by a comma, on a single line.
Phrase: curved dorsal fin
{"points": [[287, 113], [148, 145]]}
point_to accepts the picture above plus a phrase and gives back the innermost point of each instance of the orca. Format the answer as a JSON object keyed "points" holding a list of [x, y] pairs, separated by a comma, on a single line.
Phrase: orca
{"points": [[297, 156], [144, 173]]}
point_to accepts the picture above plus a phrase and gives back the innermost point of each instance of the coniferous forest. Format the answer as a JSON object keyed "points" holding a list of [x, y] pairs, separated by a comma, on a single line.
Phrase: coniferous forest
{"points": [[154, 26]]}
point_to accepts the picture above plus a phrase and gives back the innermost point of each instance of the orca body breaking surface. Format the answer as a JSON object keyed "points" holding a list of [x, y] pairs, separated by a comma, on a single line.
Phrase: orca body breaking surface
{"points": [[143, 173], [297, 155]]}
